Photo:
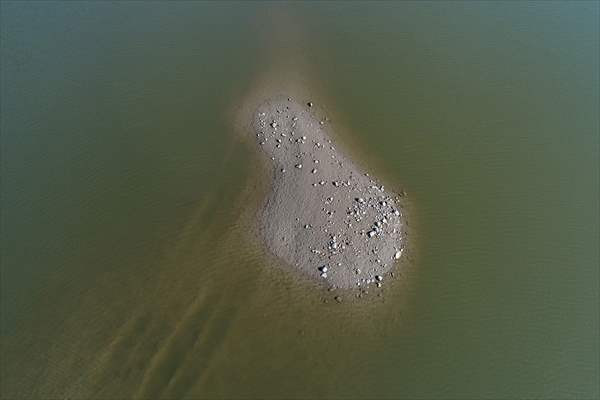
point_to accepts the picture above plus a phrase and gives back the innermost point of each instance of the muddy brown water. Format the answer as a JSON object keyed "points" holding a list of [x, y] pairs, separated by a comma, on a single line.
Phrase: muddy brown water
{"points": [[126, 266]]}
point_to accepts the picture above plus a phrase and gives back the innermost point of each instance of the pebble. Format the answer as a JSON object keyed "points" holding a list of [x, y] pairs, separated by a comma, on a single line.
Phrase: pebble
{"points": [[273, 124], [314, 171], [310, 104], [371, 233], [298, 166], [398, 254], [338, 299]]}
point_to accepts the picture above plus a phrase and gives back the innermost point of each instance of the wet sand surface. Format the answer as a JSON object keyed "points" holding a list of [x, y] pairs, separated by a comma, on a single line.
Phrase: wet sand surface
{"points": [[324, 215]]}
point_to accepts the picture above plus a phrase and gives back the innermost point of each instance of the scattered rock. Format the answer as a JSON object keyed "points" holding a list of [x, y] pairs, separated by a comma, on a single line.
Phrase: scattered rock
{"points": [[361, 229]]}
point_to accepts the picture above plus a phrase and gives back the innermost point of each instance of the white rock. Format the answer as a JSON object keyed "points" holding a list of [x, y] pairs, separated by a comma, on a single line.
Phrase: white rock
{"points": [[298, 166]]}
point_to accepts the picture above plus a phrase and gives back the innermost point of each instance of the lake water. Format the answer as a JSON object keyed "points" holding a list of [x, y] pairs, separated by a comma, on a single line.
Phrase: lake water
{"points": [[126, 265]]}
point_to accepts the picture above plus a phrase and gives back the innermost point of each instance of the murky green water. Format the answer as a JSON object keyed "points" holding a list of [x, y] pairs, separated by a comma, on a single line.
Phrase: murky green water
{"points": [[126, 269]]}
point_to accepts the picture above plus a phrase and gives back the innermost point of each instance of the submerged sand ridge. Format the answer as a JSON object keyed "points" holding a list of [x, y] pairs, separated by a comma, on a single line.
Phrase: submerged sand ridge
{"points": [[323, 216]]}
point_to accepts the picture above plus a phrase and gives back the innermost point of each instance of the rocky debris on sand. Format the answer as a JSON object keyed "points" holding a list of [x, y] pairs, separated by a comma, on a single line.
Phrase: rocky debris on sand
{"points": [[352, 230]]}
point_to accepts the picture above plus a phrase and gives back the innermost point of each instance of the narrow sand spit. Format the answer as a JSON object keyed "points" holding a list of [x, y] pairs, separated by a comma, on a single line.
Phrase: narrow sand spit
{"points": [[323, 216]]}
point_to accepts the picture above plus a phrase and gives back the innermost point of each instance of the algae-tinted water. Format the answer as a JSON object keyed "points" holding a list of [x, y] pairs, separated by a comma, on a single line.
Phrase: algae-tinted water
{"points": [[126, 269]]}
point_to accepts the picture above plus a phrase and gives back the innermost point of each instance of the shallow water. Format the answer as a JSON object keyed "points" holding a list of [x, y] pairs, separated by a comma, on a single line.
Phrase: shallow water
{"points": [[126, 266]]}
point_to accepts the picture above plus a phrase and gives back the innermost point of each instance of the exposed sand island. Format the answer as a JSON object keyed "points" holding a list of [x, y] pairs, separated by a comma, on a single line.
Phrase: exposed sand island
{"points": [[323, 215]]}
